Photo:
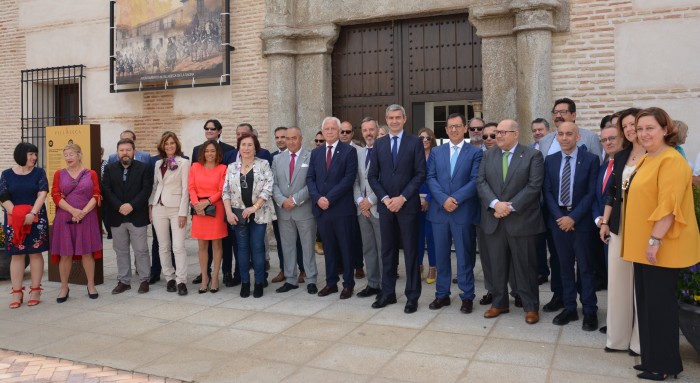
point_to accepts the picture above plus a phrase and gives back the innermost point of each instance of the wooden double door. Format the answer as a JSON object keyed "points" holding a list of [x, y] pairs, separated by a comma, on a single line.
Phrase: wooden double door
{"points": [[431, 66]]}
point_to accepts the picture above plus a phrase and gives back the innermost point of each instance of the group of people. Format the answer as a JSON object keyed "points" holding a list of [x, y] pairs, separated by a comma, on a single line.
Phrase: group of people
{"points": [[399, 191]]}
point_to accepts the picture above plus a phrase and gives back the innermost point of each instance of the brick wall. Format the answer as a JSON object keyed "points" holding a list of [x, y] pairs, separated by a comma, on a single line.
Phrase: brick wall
{"points": [[12, 48], [583, 60]]}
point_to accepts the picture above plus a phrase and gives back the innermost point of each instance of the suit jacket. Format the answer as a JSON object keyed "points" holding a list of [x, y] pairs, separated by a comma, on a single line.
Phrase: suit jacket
{"points": [[613, 195], [336, 183], [362, 188], [224, 147], [284, 187], [522, 188], [135, 191], [601, 191], [139, 156], [232, 156], [171, 189], [588, 138], [405, 179], [461, 184], [583, 196]]}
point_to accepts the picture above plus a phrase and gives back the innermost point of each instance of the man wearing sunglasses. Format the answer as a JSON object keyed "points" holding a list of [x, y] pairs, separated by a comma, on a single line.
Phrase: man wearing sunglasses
{"points": [[476, 129], [346, 134]]}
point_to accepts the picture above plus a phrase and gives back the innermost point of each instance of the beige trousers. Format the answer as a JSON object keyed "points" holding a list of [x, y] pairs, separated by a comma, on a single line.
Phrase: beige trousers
{"points": [[623, 330], [166, 219]]}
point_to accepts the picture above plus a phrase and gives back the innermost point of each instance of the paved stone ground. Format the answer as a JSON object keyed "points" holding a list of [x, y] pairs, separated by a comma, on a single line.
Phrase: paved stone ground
{"points": [[297, 337]]}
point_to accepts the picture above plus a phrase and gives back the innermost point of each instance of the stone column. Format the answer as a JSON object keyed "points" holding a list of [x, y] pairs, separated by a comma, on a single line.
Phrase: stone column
{"points": [[534, 58], [281, 91], [498, 56]]}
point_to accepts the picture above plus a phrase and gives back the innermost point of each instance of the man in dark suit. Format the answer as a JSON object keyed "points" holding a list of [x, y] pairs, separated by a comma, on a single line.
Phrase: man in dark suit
{"points": [[212, 131], [330, 180], [509, 183], [540, 128], [453, 211], [126, 186], [396, 174], [569, 193]]}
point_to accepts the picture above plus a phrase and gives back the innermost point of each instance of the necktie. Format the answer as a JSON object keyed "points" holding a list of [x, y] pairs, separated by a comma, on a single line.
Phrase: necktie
{"points": [[291, 167], [395, 150], [608, 171], [329, 155], [369, 152], [453, 159], [566, 183], [505, 164]]}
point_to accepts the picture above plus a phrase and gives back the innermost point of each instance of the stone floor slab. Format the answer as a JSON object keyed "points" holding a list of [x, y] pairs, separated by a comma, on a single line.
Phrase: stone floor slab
{"points": [[414, 367]]}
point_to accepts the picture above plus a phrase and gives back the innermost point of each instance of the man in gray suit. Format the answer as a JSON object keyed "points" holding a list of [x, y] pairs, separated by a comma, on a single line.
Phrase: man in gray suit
{"points": [[509, 184], [293, 207], [367, 214], [565, 111]]}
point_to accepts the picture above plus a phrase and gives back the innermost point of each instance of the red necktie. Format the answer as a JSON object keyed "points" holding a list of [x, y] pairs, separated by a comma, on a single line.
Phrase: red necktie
{"points": [[608, 171], [329, 155], [291, 167]]}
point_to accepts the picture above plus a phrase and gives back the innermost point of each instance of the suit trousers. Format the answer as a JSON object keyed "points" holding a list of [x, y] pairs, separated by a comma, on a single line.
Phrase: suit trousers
{"points": [[463, 237], [397, 229], [280, 247], [371, 249], [573, 248], [658, 318], [555, 281], [165, 221], [426, 241], [291, 232], [156, 268], [126, 235], [623, 327], [504, 249], [337, 247], [542, 263]]}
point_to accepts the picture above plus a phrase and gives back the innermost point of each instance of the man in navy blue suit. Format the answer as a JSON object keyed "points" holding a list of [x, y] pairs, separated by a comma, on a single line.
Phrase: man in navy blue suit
{"points": [[397, 171], [330, 180], [452, 173], [569, 193]]}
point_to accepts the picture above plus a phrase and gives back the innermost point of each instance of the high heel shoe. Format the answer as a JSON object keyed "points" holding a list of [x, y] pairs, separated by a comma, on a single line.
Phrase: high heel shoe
{"points": [[422, 271], [204, 290], [91, 295], [18, 303], [63, 299], [432, 275], [639, 367], [657, 376], [214, 290], [34, 302]]}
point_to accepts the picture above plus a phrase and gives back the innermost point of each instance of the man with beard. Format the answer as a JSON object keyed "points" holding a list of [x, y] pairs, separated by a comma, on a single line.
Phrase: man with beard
{"points": [[126, 186], [476, 127]]}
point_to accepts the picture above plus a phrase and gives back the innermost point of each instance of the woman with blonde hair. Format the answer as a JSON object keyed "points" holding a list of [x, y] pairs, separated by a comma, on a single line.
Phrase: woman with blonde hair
{"points": [[169, 204]]}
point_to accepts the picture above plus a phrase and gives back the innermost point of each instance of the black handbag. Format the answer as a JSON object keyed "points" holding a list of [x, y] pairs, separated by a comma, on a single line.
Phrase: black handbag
{"points": [[239, 217], [208, 211]]}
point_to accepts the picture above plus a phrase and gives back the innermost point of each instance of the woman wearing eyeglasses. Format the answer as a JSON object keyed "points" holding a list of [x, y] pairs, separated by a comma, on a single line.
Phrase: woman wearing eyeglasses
{"points": [[247, 195], [622, 328], [76, 229], [425, 233], [204, 184]]}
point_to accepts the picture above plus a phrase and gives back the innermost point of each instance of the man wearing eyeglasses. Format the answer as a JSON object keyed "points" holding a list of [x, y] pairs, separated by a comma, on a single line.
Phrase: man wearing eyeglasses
{"points": [[454, 211], [509, 184], [476, 128], [564, 110], [126, 187]]}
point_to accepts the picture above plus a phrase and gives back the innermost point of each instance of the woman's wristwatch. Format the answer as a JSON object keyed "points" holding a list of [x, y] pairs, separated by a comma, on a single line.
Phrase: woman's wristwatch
{"points": [[654, 241]]}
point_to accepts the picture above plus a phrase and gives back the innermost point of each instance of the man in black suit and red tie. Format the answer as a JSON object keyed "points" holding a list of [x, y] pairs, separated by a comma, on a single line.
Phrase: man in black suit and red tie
{"points": [[397, 171], [330, 180]]}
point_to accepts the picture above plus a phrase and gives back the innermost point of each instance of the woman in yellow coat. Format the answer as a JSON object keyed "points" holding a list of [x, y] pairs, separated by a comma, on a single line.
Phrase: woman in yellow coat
{"points": [[660, 237]]}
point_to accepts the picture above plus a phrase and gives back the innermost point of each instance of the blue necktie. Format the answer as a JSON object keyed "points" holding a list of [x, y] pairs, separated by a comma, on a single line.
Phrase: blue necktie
{"points": [[453, 159], [369, 152], [395, 150], [565, 193]]}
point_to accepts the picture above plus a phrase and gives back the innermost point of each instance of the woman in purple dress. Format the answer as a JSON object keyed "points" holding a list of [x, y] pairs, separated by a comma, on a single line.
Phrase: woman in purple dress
{"points": [[76, 229], [23, 190]]}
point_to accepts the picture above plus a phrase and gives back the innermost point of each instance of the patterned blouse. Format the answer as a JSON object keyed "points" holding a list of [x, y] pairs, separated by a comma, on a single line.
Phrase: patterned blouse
{"points": [[262, 188]]}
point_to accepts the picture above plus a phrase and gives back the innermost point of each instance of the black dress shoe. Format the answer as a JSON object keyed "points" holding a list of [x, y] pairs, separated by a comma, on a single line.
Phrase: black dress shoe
{"points": [[311, 288], [439, 303], [608, 349], [630, 352], [265, 284], [639, 367], [228, 280], [346, 293], [236, 280], [153, 279], [286, 287], [245, 290], [181, 289], [657, 376], [258, 290], [590, 322], [518, 301], [542, 280], [267, 265], [328, 290], [411, 307], [384, 301], [368, 292], [170, 287], [603, 330], [467, 306], [555, 304], [486, 299], [565, 317]]}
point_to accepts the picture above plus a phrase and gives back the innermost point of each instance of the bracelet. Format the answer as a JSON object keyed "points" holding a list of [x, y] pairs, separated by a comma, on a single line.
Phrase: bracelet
{"points": [[603, 221], [655, 239], [603, 224]]}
